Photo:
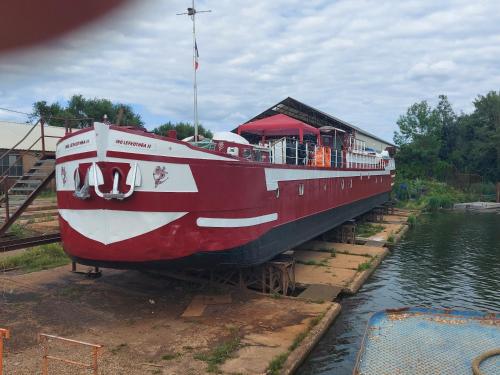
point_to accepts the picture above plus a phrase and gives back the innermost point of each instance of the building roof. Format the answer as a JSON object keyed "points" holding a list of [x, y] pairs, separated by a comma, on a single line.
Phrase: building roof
{"points": [[312, 116], [13, 132]]}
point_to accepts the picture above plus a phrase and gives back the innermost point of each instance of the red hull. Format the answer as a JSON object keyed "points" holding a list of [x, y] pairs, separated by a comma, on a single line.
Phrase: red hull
{"points": [[206, 203]]}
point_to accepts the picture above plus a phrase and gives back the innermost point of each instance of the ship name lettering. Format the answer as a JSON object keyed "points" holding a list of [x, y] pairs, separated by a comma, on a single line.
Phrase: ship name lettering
{"points": [[77, 143], [133, 143]]}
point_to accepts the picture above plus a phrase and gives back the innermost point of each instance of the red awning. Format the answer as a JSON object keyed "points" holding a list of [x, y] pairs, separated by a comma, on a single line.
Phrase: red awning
{"points": [[278, 125]]}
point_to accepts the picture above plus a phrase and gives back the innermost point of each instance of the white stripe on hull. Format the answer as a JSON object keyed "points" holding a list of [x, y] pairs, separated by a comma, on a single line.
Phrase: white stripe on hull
{"points": [[213, 222], [110, 226], [275, 175]]}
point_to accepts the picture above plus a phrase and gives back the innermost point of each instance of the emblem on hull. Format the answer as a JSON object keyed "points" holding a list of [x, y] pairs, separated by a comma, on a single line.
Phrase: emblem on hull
{"points": [[160, 175], [63, 175]]}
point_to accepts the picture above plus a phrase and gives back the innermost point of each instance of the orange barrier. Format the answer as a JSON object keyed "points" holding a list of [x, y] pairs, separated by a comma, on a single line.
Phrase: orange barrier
{"points": [[4, 334], [44, 339], [323, 157]]}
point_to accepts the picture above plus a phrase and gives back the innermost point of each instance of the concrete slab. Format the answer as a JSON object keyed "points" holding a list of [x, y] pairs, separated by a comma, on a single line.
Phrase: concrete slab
{"points": [[320, 292], [317, 246], [315, 256], [307, 275], [348, 248], [389, 229], [200, 302], [195, 309], [348, 261], [378, 244], [360, 277], [395, 218]]}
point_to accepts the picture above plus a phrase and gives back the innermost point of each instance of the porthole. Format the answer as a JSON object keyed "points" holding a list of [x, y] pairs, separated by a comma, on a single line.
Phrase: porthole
{"points": [[301, 189]]}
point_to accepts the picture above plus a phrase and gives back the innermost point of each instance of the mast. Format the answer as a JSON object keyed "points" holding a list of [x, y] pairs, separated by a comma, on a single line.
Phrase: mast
{"points": [[191, 12]]}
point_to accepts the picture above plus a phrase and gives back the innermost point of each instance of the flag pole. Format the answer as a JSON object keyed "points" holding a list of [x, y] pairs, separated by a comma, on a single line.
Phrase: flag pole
{"points": [[195, 86], [192, 13]]}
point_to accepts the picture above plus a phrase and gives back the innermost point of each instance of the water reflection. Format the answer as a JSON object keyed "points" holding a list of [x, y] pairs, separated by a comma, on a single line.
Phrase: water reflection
{"points": [[449, 260]]}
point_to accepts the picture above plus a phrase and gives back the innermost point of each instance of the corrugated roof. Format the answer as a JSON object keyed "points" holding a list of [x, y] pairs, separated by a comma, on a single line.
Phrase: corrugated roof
{"points": [[13, 132], [312, 116]]}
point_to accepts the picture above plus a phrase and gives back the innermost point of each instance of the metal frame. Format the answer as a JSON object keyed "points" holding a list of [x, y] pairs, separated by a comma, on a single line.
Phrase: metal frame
{"points": [[44, 340]]}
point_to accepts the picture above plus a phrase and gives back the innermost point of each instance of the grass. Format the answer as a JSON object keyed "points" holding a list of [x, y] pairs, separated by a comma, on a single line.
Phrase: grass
{"points": [[364, 266], [277, 363], [18, 230], [368, 229], [37, 258], [391, 239], [412, 220], [220, 353]]}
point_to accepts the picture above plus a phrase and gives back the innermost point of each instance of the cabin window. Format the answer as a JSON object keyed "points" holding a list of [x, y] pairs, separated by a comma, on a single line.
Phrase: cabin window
{"points": [[246, 153]]}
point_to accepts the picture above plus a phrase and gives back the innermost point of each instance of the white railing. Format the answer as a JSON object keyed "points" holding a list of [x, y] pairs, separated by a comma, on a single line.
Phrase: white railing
{"points": [[363, 160]]}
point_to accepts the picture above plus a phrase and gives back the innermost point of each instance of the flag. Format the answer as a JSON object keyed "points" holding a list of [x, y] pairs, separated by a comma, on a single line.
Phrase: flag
{"points": [[196, 55]]}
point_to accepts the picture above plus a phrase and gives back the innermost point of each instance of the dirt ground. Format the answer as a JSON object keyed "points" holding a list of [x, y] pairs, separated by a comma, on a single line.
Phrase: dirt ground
{"points": [[139, 319]]}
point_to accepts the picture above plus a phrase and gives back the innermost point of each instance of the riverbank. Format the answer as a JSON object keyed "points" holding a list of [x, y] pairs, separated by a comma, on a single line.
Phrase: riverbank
{"points": [[431, 195], [153, 324]]}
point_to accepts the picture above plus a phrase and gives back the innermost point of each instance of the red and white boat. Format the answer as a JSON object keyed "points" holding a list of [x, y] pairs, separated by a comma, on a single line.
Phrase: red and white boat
{"points": [[128, 198]]}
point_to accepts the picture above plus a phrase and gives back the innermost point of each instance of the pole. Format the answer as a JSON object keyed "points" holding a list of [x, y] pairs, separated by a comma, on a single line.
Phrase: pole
{"points": [[195, 86], [192, 13], [42, 130]]}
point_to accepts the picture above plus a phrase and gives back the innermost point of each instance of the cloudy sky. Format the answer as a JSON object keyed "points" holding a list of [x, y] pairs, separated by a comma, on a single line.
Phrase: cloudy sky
{"points": [[362, 61]]}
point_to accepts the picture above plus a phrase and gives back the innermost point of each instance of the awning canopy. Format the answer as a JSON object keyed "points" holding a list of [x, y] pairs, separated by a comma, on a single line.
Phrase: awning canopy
{"points": [[278, 125]]}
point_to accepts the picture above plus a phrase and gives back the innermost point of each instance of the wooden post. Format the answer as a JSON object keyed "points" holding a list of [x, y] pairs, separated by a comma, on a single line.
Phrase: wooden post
{"points": [[42, 130], [4, 334]]}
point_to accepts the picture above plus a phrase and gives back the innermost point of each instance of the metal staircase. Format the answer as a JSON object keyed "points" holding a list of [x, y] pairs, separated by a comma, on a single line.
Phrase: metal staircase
{"points": [[20, 195], [16, 198]]}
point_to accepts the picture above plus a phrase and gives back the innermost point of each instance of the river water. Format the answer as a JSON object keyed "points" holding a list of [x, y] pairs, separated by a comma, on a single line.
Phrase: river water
{"points": [[449, 260]]}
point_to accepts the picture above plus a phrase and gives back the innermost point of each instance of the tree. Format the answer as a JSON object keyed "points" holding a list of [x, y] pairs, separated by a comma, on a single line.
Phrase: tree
{"points": [[419, 141], [434, 141], [480, 137], [80, 107], [183, 130]]}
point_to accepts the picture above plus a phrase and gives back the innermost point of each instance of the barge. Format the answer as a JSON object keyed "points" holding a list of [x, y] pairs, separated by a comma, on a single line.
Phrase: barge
{"points": [[128, 198]]}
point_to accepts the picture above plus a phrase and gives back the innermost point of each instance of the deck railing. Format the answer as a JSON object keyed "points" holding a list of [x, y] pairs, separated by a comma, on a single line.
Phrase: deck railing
{"points": [[292, 152]]}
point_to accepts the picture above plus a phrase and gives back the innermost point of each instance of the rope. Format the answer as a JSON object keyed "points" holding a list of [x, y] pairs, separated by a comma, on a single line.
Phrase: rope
{"points": [[480, 358]]}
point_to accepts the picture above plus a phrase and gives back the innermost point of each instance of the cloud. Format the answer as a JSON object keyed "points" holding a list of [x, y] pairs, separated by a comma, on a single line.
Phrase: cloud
{"points": [[362, 61]]}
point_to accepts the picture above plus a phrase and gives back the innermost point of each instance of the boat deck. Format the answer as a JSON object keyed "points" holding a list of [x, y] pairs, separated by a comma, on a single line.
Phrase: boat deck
{"points": [[429, 341]]}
